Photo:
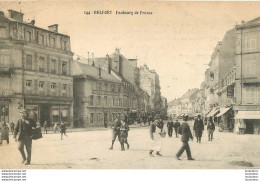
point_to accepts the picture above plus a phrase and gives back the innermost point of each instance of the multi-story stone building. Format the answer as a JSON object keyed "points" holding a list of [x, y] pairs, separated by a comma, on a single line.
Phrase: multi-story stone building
{"points": [[187, 102], [247, 82], [174, 108], [149, 81], [98, 96], [35, 70]]}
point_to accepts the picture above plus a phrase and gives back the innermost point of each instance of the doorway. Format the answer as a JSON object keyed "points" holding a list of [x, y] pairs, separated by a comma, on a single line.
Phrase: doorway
{"points": [[44, 114], [249, 126]]}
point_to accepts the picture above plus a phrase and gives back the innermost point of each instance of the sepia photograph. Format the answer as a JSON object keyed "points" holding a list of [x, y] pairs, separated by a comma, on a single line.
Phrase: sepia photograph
{"points": [[129, 85]]}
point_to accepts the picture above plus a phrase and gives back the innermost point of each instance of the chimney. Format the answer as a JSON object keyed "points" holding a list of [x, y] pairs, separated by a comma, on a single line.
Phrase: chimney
{"points": [[53, 28], [32, 22], [18, 16], [99, 72]]}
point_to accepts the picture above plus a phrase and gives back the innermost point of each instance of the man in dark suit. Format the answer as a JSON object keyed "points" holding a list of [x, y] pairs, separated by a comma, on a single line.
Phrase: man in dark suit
{"points": [[170, 127], [23, 129], [198, 128], [116, 132], [185, 133], [176, 126]]}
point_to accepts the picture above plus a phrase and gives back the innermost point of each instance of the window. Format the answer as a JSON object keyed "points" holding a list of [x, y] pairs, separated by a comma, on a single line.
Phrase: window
{"points": [[53, 66], [250, 94], [99, 86], [42, 64], [98, 101], [53, 86], [92, 117], [120, 102], [64, 68], [258, 93], [65, 45], [249, 68], [64, 87], [114, 102], [113, 88], [28, 36], [91, 100], [99, 117], [53, 42], [42, 40], [105, 101], [29, 62], [41, 84], [250, 43], [119, 88], [4, 61], [28, 83]]}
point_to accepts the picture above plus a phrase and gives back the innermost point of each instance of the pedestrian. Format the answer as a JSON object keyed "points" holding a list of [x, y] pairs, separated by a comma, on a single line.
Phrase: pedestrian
{"points": [[12, 127], [63, 130], [38, 124], [198, 127], [211, 129], [55, 127], [23, 130], [115, 131], [45, 125], [176, 126], [4, 129], [170, 127], [185, 133], [155, 130], [124, 134]]}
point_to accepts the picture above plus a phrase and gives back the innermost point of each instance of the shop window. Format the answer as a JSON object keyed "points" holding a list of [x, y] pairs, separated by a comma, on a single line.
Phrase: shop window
{"points": [[64, 115], [92, 117], [29, 62], [55, 115]]}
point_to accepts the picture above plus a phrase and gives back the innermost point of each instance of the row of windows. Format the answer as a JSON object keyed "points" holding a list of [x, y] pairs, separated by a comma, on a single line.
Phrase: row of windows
{"points": [[42, 85], [42, 65], [104, 86], [115, 101], [47, 40]]}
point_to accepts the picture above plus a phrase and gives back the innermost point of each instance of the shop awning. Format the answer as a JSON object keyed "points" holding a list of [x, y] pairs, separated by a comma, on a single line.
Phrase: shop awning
{"points": [[213, 112], [206, 112], [223, 111], [248, 115]]}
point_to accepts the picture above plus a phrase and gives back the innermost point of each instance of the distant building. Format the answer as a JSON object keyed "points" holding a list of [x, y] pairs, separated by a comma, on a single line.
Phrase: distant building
{"points": [[35, 70], [98, 96], [174, 108], [187, 102]]}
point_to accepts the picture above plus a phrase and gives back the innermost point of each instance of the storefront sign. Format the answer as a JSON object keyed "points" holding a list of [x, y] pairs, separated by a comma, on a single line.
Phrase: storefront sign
{"points": [[230, 91]]}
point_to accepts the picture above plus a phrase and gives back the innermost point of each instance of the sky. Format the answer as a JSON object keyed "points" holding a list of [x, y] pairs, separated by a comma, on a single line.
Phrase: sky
{"points": [[177, 39]]}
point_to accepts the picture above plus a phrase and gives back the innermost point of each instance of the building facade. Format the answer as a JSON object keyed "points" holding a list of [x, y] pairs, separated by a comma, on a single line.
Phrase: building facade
{"points": [[247, 81], [35, 70], [98, 96]]}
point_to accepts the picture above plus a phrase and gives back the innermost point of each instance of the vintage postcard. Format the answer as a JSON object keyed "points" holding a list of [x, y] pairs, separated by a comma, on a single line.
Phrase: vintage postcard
{"points": [[129, 85]]}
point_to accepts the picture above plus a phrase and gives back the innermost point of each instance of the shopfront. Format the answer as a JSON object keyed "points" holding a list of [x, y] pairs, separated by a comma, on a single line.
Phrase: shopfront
{"points": [[249, 121], [4, 110], [49, 110]]}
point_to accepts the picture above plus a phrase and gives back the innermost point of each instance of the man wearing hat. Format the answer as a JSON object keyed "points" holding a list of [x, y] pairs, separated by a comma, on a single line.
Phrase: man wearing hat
{"points": [[23, 129], [185, 133], [198, 128]]}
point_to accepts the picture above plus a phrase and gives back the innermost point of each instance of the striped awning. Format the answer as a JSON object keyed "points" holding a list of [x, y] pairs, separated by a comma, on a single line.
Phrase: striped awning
{"points": [[213, 112], [223, 111]]}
